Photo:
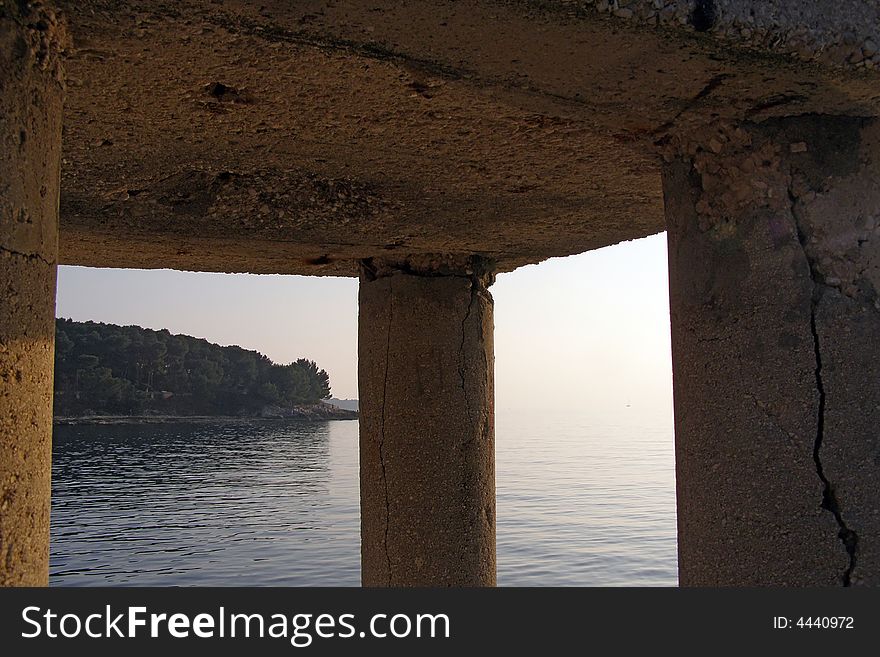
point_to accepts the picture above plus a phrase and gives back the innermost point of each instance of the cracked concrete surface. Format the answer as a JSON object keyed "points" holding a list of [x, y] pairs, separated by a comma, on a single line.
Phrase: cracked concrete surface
{"points": [[779, 215], [425, 145], [830, 503], [462, 362], [427, 429], [513, 130], [27, 256], [382, 435], [30, 135], [837, 206]]}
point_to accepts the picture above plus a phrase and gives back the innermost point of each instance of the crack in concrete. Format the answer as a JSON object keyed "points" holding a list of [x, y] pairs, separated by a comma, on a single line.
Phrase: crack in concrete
{"points": [[372, 50], [461, 369], [717, 338], [382, 53], [830, 503], [847, 536], [774, 420], [694, 102], [27, 256], [382, 432]]}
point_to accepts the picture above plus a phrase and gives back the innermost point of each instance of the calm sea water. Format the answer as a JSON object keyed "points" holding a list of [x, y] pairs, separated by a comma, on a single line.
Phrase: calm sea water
{"points": [[276, 503]]}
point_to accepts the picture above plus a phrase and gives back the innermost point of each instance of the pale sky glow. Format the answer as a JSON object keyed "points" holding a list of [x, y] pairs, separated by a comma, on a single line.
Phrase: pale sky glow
{"points": [[589, 331]]}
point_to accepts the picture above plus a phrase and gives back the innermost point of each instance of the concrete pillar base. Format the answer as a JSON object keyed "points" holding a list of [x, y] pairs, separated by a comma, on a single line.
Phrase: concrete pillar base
{"points": [[774, 256], [427, 424], [30, 159]]}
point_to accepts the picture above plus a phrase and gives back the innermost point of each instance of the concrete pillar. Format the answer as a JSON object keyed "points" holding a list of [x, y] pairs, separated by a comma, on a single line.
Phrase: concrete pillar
{"points": [[30, 157], [427, 437], [774, 260]]}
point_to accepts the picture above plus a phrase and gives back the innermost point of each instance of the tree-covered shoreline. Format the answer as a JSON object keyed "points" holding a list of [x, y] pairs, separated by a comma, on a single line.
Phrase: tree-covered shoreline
{"points": [[105, 369]]}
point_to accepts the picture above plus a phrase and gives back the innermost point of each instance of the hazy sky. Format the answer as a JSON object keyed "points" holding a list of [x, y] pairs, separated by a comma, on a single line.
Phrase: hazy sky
{"points": [[589, 331]]}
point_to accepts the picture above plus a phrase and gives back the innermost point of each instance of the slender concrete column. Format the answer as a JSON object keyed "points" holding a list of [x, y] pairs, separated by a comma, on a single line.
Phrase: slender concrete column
{"points": [[30, 156], [427, 436], [774, 260]]}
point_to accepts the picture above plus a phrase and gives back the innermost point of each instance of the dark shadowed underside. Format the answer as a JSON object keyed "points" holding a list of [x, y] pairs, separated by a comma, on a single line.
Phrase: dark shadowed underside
{"points": [[299, 137]]}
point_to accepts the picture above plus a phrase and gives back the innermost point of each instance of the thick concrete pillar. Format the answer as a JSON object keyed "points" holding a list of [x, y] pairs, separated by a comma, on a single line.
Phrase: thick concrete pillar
{"points": [[427, 447], [774, 257], [30, 157]]}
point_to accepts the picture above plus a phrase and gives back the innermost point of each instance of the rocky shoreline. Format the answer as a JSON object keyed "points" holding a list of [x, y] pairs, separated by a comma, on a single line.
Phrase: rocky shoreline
{"points": [[313, 413]]}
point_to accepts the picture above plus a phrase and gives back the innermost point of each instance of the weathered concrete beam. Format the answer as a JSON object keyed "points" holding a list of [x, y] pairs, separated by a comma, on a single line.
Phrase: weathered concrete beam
{"points": [[774, 258], [427, 454], [302, 137], [30, 159]]}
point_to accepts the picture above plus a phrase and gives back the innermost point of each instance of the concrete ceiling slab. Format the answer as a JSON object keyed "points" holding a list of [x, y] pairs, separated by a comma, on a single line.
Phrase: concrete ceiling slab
{"points": [[300, 137]]}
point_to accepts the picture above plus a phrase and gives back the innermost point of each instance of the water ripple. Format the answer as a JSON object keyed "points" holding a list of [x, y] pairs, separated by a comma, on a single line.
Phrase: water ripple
{"points": [[276, 504]]}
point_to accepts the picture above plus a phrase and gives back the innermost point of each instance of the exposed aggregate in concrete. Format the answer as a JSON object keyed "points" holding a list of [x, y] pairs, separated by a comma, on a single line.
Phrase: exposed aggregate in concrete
{"points": [[306, 137], [31, 83], [774, 263], [844, 34]]}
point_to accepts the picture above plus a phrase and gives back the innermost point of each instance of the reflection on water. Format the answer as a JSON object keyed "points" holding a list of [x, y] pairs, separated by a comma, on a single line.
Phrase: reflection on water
{"points": [[585, 504], [276, 503], [270, 503]]}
